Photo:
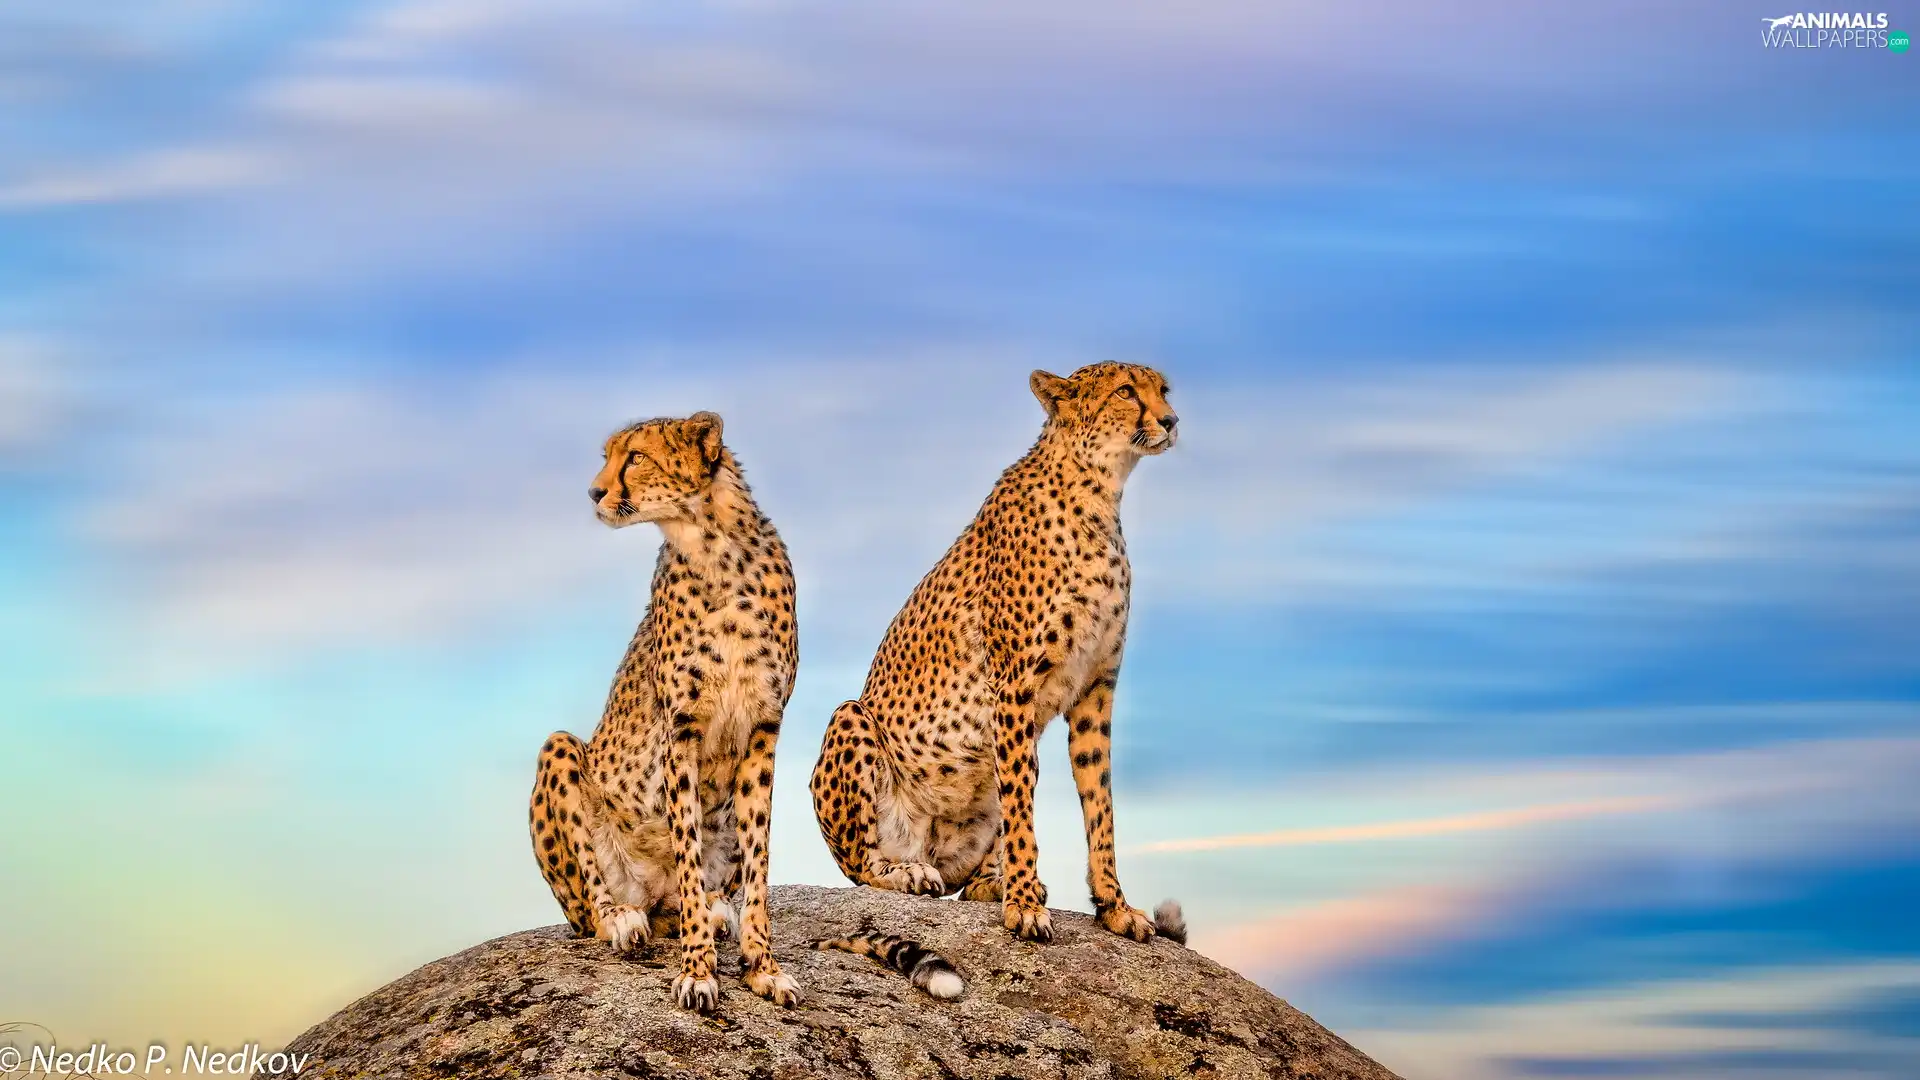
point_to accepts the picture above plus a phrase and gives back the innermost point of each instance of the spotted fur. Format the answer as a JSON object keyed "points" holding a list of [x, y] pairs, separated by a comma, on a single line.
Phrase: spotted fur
{"points": [[651, 826], [925, 783]]}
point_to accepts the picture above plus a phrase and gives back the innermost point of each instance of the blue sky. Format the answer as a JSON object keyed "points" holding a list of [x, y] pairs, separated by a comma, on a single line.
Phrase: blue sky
{"points": [[1523, 673]]}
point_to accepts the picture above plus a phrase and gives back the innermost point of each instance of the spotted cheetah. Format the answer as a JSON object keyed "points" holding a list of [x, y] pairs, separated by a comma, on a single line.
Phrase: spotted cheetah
{"points": [[925, 784], [662, 815]]}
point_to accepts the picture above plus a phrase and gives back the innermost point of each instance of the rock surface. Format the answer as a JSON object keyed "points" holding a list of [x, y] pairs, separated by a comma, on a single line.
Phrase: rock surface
{"points": [[543, 1003]]}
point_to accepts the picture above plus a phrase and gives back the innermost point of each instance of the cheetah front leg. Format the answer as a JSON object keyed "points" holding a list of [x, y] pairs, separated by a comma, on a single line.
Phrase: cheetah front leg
{"points": [[695, 988], [752, 805], [1090, 741], [1023, 906]]}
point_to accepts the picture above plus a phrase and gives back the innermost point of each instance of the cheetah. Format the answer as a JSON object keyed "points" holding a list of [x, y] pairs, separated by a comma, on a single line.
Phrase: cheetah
{"points": [[653, 823], [925, 783]]}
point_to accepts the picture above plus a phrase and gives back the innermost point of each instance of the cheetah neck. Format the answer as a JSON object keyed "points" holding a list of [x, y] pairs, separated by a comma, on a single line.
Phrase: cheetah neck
{"points": [[1095, 476], [720, 526]]}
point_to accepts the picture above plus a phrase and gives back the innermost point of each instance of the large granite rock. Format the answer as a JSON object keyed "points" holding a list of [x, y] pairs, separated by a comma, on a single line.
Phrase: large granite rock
{"points": [[543, 1003]]}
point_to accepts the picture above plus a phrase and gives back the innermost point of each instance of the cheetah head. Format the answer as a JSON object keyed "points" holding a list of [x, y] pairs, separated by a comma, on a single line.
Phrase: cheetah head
{"points": [[1117, 407], [655, 468]]}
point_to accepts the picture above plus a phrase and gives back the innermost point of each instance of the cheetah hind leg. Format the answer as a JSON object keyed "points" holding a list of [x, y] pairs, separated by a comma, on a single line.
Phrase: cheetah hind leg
{"points": [[984, 885], [847, 789], [722, 915], [563, 846]]}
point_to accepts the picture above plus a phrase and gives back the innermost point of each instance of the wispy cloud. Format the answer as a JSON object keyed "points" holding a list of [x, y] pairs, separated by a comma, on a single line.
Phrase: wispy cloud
{"points": [[160, 175], [1653, 1030], [1277, 463], [1457, 875], [1416, 828], [1823, 784], [1306, 941], [414, 124], [359, 288], [257, 523], [259, 527], [36, 391]]}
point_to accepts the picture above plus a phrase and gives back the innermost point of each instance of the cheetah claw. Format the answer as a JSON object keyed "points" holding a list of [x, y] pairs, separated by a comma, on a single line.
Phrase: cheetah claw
{"points": [[625, 927], [700, 995], [773, 984], [1028, 921], [914, 878]]}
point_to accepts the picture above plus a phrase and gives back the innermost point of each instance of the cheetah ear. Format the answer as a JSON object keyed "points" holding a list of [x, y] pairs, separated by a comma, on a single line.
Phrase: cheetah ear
{"points": [[1051, 389], [704, 429]]}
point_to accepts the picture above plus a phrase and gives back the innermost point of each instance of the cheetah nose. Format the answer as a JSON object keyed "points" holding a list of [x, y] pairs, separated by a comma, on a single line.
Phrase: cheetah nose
{"points": [[596, 494], [1168, 421]]}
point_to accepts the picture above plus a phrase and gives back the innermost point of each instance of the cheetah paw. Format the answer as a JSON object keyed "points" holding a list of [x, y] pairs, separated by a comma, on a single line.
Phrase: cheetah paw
{"points": [[1127, 922], [700, 995], [1028, 921], [916, 878], [625, 927], [773, 984]]}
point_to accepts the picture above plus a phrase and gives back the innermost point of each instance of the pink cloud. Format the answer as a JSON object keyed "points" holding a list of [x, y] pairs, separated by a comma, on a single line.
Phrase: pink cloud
{"points": [[1305, 941], [1483, 821]]}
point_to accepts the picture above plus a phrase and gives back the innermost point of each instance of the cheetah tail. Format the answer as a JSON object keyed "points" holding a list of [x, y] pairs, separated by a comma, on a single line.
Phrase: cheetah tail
{"points": [[927, 969], [1170, 922]]}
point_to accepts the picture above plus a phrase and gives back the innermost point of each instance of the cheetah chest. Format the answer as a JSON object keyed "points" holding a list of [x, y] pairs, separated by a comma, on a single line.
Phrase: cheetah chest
{"points": [[740, 675], [1087, 625], [1090, 625]]}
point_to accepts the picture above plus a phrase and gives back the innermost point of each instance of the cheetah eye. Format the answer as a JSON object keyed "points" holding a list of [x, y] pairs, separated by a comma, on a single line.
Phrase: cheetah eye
{"points": [[1125, 393]]}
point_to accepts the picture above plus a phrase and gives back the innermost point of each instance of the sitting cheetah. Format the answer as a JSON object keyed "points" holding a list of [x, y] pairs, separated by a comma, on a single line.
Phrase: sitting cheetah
{"points": [[663, 814], [925, 784]]}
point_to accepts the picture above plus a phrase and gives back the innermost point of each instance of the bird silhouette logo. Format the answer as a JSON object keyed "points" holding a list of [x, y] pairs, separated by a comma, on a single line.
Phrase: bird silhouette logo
{"points": [[1775, 24]]}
